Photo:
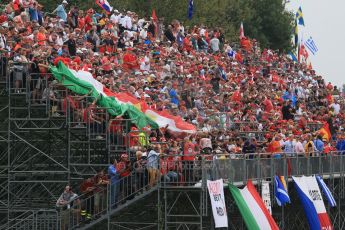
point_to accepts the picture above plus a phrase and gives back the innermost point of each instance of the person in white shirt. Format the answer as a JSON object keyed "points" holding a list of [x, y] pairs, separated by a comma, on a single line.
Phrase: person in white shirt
{"points": [[128, 21], [214, 43], [3, 40], [145, 65], [336, 107], [114, 18], [299, 148], [289, 146], [122, 21], [141, 22], [143, 33]]}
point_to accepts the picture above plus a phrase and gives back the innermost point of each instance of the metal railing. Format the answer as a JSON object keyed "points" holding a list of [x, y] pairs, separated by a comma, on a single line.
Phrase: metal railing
{"points": [[175, 171], [224, 123]]}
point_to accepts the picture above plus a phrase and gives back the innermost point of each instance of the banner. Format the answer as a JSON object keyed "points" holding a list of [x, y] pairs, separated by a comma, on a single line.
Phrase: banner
{"points": [[311, 199], [216, 191], [265, 195]]}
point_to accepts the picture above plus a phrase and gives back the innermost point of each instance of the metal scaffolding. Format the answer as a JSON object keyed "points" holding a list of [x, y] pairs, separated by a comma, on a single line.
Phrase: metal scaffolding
{"points": [[47, 144]]}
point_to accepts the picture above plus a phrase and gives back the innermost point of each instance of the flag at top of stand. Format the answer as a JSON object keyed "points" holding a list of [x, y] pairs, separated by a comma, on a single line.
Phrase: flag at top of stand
{"points": [[280, 192], [299, 16], [326, 191], [104, 4], [241, 31], [190, 9], [310, 44]]}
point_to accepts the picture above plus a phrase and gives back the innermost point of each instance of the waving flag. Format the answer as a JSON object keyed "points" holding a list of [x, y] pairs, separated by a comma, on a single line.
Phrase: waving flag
{"points": [[104, 4], [155, 21], [280, 192], [293, 56], [310, 44], [302, 53], [252, 208], [140, 113], [296, 34], [82, 82], [325, 132], [326, 191], [299, 16], [190, 9], [311, 198], [241, 31]]}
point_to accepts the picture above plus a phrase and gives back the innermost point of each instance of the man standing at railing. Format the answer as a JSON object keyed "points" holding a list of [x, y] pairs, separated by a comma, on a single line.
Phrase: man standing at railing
{"points": [[152, 164], [319, 145], [114, 179], [64, 203], [87, 188], [289, 146]]}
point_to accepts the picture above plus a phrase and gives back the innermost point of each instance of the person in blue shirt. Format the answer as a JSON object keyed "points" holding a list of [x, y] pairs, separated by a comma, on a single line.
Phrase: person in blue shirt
{"points": [[340, 146], [114, 179], [174, 98], [289, 146], [319, 145], [33, 12], [60, 10]]}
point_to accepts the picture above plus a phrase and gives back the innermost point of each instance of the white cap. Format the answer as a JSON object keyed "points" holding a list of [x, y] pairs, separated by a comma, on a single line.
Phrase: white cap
{"points": [[64, 2]]}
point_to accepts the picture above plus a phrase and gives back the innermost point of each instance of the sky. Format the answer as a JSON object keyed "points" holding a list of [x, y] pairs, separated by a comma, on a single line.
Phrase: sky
{"points": [[325, 21]]}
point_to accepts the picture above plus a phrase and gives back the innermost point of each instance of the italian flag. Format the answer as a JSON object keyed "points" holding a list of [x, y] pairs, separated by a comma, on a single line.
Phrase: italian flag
{"points": [[163, 118], [118, 104], [252, 208]]}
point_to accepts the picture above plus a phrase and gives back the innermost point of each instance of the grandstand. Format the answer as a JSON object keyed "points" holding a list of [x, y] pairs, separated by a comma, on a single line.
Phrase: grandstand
{"points": [[52, 135]]}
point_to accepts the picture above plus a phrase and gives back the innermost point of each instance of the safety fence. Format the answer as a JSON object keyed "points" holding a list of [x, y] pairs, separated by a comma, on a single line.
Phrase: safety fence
{"points": [[225, 121], [172, 171]]}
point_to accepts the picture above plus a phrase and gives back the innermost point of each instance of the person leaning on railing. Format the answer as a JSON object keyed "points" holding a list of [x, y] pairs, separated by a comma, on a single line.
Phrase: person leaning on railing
{"points": [[114, 183], [64, 204], [141, 173], [124, 168], [153, 164], [87, 189], [101, 182]]}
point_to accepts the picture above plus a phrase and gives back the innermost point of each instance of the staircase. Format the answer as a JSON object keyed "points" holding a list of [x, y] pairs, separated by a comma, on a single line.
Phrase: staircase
{"points": [[128, 191]]}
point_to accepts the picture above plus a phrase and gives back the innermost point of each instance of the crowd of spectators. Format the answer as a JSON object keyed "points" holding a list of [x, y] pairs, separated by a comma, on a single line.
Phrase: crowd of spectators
{"points": [[241, 97], [193, 72]]}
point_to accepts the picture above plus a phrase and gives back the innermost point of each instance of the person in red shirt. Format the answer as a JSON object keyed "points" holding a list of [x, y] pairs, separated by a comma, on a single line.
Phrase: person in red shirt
{"points": [[115, 128], [187, 45], [88, 20], [81, 20], [268, 105], [246, 44], [167, 170], [124, 168], [87, 189], [130, 61], [328, 148], [100, 181], [188, 150]]}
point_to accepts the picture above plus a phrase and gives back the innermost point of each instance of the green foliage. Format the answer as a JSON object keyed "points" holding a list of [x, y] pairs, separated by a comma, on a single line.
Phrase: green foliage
{"points": [[265, 20]]}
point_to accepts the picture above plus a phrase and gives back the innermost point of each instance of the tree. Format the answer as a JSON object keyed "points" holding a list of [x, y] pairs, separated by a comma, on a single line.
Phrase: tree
{"points": [[265, 20], [272, 24]]}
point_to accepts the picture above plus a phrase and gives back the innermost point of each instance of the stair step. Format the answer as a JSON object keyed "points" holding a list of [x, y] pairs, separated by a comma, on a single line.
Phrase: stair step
{"points": [[117, 209]]}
